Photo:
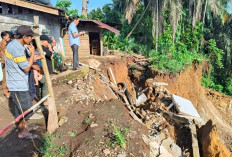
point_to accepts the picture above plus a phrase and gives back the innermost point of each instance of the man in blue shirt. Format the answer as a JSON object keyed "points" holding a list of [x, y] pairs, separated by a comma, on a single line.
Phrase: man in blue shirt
{"points": [[17, 69], [74, 39]]}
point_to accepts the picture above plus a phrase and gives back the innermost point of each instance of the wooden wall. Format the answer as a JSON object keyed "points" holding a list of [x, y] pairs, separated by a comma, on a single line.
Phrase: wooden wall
{"points": [[84, 49]]}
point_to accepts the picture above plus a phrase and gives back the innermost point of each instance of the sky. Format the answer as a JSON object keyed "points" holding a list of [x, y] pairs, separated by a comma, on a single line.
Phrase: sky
{"points": [[93, 4]]}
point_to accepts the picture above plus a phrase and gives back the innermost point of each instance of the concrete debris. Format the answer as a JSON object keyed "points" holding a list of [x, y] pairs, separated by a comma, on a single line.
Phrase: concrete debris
{"points": [[141, 99], [159, 84], [176, 150], [185, 106], [93, 62]]}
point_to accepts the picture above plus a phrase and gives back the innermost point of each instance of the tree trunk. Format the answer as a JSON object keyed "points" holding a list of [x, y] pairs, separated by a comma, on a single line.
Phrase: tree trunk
{"points": [[157, 25], [84, 7], [206, 3]]}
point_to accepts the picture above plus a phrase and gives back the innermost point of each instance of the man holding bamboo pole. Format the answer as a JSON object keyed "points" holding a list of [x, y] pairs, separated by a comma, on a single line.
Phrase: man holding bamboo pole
{"points": [[17, 68]]}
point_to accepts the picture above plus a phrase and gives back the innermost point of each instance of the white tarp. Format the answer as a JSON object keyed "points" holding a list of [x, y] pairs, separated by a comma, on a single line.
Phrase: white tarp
{"points": [[185, 106]]}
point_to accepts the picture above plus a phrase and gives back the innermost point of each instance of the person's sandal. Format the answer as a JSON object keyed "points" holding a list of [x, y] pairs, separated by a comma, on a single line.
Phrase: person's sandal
{"points": [[29, 136]]}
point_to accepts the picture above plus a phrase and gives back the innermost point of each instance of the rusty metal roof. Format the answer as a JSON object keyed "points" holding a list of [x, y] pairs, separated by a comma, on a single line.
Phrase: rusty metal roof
{"points": [[102, 25]]}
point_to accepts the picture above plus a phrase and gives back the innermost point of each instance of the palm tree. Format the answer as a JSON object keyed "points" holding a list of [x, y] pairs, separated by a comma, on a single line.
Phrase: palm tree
{"points": [[84, 7]]}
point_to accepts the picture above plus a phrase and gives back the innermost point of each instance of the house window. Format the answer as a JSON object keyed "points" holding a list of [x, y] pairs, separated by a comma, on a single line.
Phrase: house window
{"points": [[9, 8], [0, 8], [20, 10]]}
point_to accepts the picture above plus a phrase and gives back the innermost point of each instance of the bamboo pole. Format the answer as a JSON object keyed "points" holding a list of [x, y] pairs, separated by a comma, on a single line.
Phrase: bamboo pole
{"points": [[52, 124]]}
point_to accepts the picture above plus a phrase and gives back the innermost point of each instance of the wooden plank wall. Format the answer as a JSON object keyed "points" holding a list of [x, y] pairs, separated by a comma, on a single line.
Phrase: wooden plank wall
{"points": [[84, 49]]}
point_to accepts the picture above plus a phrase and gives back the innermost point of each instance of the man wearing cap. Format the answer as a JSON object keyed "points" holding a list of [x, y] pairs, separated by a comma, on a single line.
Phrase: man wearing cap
{"points": [[74, 39], [17, 68]]}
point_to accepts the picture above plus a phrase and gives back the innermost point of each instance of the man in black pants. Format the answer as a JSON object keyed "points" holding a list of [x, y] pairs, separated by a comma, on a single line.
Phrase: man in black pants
{"points": [[17, 68], [74, 39]]}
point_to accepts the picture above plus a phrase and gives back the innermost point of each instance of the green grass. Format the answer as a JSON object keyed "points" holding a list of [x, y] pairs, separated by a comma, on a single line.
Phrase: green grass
{"points": [[85, 121], [118, 137], [48, 149], [62, 150]]}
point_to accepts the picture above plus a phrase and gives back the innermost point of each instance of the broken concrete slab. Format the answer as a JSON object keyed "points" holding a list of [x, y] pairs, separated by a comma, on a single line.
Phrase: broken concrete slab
{"points": [[176, 150], [164, 152], [185, 106], [167, 144]]}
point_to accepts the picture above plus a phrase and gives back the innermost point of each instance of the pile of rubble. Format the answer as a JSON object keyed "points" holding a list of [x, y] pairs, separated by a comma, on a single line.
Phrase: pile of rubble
{"points": [[173, 121]]}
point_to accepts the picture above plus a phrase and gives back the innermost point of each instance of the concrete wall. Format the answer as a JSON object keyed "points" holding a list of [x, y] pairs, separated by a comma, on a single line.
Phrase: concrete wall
{"points": [[51, 22]]}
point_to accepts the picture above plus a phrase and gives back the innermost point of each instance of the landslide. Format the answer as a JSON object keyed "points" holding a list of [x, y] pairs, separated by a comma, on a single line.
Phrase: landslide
{"points": [[210, 104]]}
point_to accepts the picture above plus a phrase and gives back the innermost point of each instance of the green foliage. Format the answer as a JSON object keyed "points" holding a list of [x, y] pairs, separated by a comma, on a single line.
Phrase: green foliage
{"points": [[66, 4], [118, 138], [62, 150], [206, 81], [96, 14], [48, 149], [215, 54], [85, 121], [228, 89], [47, 145], [73, 133], [172, 56]]}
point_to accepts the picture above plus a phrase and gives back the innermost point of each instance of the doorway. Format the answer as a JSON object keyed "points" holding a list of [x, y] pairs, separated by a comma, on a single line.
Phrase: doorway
{"points": [[94, 42]]}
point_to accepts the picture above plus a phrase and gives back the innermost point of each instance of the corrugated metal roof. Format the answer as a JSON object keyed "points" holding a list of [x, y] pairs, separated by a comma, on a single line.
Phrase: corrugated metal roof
{"points": [[102, 25]]}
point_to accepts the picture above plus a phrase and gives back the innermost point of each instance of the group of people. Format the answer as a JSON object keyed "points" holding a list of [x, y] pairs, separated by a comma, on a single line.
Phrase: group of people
{"points": [[22, 68], [22, 71]]}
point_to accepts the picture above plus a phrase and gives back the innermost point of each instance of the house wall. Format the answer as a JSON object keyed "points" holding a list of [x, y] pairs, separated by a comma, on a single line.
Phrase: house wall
{"points": [[7, 21], [84, 49]]}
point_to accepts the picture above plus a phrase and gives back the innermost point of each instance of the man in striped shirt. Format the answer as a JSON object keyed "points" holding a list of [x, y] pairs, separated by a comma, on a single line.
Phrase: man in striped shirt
{"points": [[17, 68]]}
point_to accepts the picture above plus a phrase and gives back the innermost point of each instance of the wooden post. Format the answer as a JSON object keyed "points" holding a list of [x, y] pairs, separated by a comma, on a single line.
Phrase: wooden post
{"points": [[101, 43], [52, 124]]}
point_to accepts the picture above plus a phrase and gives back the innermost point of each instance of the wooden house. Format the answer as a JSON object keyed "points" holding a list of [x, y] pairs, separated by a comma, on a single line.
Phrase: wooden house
{"points": [[91, 42], [19, 12]]}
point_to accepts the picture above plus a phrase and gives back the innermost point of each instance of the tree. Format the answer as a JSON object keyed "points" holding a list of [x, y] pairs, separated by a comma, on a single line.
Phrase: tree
{"points": [[66, 4], [84, 7], [96, 14]]}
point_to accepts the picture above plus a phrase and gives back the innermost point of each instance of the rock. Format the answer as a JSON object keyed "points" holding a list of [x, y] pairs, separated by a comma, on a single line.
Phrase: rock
{"points": [[164, 152], [93, 125], [106, 152], [176, 150], [122, 154], [154, 146], [90, 115], [62, 120], [70, 82], [167, 144], [62, 111]]}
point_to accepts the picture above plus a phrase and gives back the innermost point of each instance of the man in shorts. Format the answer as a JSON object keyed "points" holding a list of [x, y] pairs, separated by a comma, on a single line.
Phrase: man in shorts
{"points": [[17, 69]]}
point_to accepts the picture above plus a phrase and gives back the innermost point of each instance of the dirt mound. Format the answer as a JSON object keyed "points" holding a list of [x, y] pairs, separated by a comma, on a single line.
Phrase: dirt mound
{"points": [[220, 100], [210, 143]]}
